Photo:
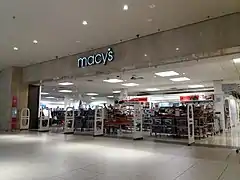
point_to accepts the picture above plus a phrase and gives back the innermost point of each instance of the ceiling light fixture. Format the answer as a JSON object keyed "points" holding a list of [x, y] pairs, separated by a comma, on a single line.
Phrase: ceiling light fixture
{"points": [[145, 55], [84, 23], [93, 98], [65, 83], [113, 80], [15, 49], [44, 93], [78, 41], [152, 6], [65, 91], [180, 79], [149, 20], [152, 89], [167, 73], [116, 92], [110, 96], [236, 60], [91, 94], [177, 49], [130, 84], [196, 86], [125, 7], [35, 41], [50, 97]]}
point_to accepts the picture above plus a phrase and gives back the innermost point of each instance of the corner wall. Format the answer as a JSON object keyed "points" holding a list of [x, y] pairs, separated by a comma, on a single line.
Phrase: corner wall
{"points": [[11, 84], [5, 98]]}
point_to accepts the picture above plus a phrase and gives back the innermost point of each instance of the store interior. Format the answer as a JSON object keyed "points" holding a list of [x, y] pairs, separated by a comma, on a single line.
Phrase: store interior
{"points": [[158, 96]]}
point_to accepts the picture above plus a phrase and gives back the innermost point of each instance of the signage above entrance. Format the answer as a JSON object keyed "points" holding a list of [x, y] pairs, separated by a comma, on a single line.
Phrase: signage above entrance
{"points": [[99, 58]]}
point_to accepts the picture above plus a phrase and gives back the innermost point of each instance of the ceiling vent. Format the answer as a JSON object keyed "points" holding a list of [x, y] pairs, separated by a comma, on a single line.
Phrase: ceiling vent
{"points": [[134, 77]]}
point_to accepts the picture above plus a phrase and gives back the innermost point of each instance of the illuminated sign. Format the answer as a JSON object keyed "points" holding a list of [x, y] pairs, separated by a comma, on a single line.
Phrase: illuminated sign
{"points": [[99, 58]]}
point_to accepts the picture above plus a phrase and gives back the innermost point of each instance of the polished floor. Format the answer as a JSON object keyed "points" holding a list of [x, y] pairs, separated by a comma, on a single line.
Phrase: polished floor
{"points": [[58, 157], [228, 139]]}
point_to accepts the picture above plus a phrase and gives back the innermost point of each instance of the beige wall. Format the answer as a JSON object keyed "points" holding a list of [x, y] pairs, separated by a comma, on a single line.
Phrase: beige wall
{"points": [[201, 39]]}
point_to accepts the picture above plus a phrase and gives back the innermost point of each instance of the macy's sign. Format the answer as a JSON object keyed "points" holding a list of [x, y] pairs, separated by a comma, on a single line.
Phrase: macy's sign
{"points": [[99, 58]]}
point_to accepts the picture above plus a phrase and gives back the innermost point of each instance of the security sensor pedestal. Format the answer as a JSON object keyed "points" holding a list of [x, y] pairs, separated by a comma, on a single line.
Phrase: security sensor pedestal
{"points": [[69, 121], [98, 121], [137, 121], [43, 125], [24, 119], [190, 119]]}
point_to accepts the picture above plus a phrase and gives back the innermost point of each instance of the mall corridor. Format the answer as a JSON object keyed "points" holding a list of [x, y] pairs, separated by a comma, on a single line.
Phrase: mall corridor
{"points": [[58, 157]]}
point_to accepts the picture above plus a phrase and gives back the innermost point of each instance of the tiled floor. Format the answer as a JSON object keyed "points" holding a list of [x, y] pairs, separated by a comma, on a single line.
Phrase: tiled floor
{"points": [[230, 138], [59, 157]]}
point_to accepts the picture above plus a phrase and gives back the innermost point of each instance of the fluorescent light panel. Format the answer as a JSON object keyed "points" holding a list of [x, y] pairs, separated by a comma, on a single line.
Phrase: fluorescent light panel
{"points": [[196, 86], [65, 83], [116, 92], [110, 96], [113, 80], [180, 79], [92, 94], [130, 84], [152, 89], [44, 93], [65, 91], [50, 97], [167, 73]]}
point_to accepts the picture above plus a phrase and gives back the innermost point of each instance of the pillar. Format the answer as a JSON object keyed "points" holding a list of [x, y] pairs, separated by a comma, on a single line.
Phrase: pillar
{"points": [[11, 85], [219, 102], [123, 94]]}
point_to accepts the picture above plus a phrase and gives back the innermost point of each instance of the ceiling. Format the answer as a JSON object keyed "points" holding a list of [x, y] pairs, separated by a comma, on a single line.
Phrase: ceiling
{"points": [[202, 72], [57, 24]]}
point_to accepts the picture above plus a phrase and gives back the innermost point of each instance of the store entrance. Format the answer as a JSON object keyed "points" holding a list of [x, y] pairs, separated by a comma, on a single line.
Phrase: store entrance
{"points": [[177, 103]]}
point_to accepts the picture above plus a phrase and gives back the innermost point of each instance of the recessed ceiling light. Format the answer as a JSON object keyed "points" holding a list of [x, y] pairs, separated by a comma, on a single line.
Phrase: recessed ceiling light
{"points": [[84, 22], [125, 7], [152, 6], [177, 49], [65, 91], [44, 93], [167, 73], [113, 80], [110, 96], [145, 55], [92, 94], [152, 89], [236, 60], [183, 73], [50, 97], [93, 98], [154, 76], [149, 20], [35, 41], [65, 84], [116, 92], [196, 86], [180, 79], [130, 84], [15, 49]]}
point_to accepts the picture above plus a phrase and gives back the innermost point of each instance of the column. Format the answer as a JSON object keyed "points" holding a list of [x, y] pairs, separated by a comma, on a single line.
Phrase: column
{"points": [[11, 87], [123, 94], [219, 102]]}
